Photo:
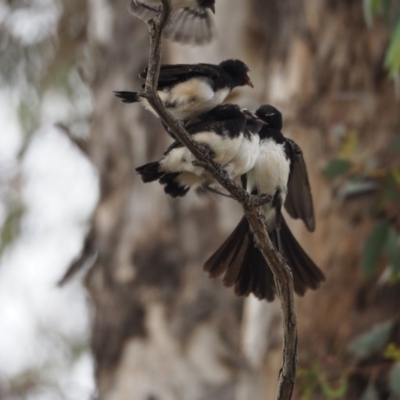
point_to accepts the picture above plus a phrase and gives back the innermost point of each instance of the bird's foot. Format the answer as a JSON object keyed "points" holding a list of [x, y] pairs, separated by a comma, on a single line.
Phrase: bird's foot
{"points": [[258, 200], [208, 153]]}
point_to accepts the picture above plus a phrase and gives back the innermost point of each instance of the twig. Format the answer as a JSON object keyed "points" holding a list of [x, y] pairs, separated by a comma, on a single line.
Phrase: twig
{"points": [[282, 275]]}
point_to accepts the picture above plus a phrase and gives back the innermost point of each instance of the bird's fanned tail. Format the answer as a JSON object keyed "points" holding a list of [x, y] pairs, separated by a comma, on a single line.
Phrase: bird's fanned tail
{"points": [[245, 268], [242, 264], [306, 275]]}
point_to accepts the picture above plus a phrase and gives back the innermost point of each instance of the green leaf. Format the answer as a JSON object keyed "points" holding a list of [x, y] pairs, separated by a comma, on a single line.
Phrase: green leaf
{"points": [[374, 246], [394, 144], [394, 379], [370, 393], [11, 225], [336, 167], [366, 344], [392, 352], [333, 393], [370, 8], [392, 250], [392, 58]]}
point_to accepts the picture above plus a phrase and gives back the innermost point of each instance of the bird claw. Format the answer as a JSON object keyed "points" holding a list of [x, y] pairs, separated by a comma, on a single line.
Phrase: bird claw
{"points": [[207, 151]]}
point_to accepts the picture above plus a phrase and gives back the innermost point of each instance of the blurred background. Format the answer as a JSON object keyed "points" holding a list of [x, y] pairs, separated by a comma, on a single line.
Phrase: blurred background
{"points": [[136, 317]]}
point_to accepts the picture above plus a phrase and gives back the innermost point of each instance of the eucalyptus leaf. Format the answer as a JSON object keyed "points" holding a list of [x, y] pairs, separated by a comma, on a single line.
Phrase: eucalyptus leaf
{"points": [[367, 343], [335, 393], [394, 379], [370, 393], [392, 250], [374, 246], [392, 58], [336, 168]]}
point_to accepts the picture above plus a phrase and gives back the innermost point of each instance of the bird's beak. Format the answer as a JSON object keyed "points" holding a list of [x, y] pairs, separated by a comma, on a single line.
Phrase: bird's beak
{"points": [[249, 82], [212, 8]]}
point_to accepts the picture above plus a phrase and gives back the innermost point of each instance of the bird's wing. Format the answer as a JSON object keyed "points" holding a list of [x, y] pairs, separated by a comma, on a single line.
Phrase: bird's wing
{"points": [[299, 203], [191, 25], [172, 74], [142, 12]]}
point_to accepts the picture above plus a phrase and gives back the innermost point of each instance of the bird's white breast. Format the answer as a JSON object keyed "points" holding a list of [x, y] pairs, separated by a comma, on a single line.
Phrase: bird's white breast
{"points": [[181, 159], [270, 173], [190, 98], [245, 158]]}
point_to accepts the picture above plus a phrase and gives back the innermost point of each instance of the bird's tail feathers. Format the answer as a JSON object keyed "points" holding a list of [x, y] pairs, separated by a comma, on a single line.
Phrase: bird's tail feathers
{"points": [[245, 268], [242, 264], [172, 186], [150, 172], [127, 97], [306, 275]]}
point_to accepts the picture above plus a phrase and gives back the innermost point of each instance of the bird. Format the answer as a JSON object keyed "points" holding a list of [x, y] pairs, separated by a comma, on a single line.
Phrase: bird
{"points": [[189, 90], [224, 131], [241, 263], [190, 21]]}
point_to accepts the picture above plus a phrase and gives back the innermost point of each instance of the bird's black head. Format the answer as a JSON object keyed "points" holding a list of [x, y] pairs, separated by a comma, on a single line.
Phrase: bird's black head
{"points": [[270, 115], [207, 4], [238, 71], [226, 111]]}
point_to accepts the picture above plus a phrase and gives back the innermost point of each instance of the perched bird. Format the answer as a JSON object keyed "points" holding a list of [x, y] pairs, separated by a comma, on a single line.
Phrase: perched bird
{"points": [[298, 203], [189, 90], [224, 131], [238, 259], [190, 21]]}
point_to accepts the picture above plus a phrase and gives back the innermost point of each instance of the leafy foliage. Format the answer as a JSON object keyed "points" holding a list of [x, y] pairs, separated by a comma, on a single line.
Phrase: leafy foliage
{"points": [[359, 175], [374, 247], [390, 11], [394, 379], [10, 228], [314, 379], [336, 168], [371, 341]]}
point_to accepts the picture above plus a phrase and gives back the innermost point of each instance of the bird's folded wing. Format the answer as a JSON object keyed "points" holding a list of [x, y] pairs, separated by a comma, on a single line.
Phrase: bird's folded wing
{"points": [[170, 74], [299, 203]]}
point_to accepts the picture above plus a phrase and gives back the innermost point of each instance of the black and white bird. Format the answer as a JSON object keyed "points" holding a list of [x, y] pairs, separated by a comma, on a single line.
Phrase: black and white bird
{"points": [[226, 132], [279, 172], [191, 21], [189, 90]]}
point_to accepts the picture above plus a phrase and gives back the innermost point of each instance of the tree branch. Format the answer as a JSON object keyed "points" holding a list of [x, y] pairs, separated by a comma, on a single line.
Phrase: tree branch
{"points": [[282, 275]]}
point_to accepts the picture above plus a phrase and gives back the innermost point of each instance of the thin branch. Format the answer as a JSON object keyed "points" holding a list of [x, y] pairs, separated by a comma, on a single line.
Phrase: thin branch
{"points": [[282, 275]]}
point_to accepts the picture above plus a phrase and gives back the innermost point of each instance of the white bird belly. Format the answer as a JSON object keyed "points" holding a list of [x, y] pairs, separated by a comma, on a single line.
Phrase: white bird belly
{"points": [[245, 158], [181, 159], [270, 174], [190, 99]]}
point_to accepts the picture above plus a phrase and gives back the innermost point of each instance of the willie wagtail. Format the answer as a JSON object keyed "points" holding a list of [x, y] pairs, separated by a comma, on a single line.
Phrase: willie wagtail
{"points": [[188, 90], [279, 172], [190, 21], [222, 130]]}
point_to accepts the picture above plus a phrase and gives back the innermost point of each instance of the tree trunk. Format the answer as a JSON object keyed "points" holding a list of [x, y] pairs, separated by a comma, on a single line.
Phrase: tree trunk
{"points": [[162, 330]]}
